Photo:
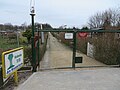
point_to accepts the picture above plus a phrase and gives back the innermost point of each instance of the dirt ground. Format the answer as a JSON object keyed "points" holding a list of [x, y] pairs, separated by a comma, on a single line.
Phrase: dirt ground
{"points": [[22, 76]]}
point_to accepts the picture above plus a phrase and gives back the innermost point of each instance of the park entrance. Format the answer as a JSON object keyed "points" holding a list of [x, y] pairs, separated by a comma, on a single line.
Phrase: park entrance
{"points": [[69, 56]]}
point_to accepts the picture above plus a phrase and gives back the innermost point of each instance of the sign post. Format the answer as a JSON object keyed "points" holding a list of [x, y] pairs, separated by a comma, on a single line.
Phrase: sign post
{"points": [[16, 77], [12, 60]]}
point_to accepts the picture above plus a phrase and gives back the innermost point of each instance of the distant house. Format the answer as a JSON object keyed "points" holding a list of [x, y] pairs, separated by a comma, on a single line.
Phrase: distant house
{"points": [[7, 34], [3, 33]]}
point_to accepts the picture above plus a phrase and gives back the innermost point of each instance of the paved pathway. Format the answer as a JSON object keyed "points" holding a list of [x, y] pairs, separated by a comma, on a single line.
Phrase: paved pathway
{"points": [[99, 79], [58, 55]]}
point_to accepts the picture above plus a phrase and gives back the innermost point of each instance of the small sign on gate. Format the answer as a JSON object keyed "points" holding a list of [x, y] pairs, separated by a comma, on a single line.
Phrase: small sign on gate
{"points": [[68, 35], [82, 34], [78, 59]]}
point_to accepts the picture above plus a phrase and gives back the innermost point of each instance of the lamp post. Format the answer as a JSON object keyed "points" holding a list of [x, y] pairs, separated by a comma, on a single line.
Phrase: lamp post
{"points": [[33, 47]]}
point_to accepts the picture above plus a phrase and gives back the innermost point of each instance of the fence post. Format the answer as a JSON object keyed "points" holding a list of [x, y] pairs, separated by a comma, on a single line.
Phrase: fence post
{"points": [[74, 49], [1, 78]]}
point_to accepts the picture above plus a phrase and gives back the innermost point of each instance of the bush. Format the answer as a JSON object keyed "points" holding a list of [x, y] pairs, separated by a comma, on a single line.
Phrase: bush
{"points": [[27, 52], [106, 49], [82, 45], [22, 40], [1, 56]]}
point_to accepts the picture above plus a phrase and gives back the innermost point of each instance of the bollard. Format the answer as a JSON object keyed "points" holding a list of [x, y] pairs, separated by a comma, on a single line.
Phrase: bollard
{"points": [[1, 78]]}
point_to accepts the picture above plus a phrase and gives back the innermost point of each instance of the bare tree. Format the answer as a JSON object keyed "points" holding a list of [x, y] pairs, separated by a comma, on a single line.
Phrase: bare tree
{"points": [[96, 21], [108, 18]]}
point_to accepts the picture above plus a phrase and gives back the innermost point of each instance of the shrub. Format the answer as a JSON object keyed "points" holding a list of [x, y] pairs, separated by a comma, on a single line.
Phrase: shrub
{"points": [[22, 40], [1, 56], [106, 49], [27, 51], [81, 45]]}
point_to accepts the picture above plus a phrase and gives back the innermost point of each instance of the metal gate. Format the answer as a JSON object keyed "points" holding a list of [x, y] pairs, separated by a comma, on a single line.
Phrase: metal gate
{"points": [[75, 59]]}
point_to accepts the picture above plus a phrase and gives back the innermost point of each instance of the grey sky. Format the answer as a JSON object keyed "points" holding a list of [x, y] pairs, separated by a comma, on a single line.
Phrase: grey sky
{"points": [[55, 12]]}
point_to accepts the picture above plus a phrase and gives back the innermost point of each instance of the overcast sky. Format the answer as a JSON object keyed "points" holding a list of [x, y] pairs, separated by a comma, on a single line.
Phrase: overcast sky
{"points": [[55, 12]]}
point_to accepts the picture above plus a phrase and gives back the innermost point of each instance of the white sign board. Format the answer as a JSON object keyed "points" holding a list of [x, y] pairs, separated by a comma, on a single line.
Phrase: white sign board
{"points": [[12, 60], [68, 35], [90, 50]]}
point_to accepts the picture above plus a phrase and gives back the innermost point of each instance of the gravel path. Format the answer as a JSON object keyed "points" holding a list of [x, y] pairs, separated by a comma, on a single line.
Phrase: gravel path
{"points": [[58, 55]]}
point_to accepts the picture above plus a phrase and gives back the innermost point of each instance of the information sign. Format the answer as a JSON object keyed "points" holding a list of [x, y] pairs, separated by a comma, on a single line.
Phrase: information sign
{"points": [[12, 60], [68, 35]]}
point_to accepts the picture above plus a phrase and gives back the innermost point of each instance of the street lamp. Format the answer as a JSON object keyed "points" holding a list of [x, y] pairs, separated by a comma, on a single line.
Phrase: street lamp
{"points": [[33, 47]]}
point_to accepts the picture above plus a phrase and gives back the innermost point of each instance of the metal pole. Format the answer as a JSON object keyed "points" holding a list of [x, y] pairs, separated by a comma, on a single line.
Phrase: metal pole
{"points": [[33, 47], [17, 38], [16, 77], [74, 49], [38, 48]]}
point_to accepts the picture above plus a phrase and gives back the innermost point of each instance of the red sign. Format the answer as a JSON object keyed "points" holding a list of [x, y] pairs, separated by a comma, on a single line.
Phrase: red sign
{"points": [[82, 34]]}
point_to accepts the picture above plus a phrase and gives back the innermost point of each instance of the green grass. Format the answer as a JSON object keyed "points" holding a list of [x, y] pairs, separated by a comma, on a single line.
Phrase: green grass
{"points": [[7, 44]]}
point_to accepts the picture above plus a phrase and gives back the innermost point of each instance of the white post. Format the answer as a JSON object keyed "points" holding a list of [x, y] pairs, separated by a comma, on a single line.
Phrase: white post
{"points": [[42, 35]]}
